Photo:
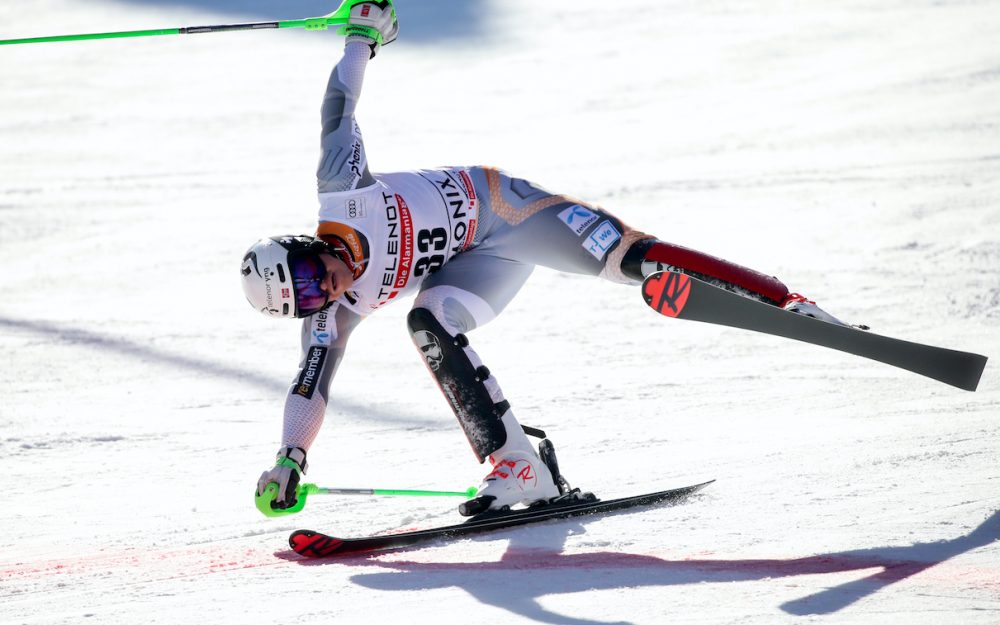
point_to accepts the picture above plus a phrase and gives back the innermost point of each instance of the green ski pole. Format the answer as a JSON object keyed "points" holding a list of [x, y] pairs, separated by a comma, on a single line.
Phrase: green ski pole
{"points": [[337, 18], [263, 502]]}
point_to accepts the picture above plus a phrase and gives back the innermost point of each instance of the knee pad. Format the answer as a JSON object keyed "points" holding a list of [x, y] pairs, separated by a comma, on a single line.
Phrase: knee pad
{"points": [[449, 359]]}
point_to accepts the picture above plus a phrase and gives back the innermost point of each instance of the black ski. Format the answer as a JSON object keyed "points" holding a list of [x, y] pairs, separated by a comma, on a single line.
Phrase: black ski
{"points": [[316, 545], [677, 295]]}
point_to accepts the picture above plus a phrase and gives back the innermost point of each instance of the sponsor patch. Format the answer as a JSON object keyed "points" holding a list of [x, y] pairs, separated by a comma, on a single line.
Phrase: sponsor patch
{"points": [[471, 235], [354, 208], [305, 386], [406, 245], [270, 275], [470, 191], [467, 183], [601, 240], [356, 162], [577, 218], [321, 334]]}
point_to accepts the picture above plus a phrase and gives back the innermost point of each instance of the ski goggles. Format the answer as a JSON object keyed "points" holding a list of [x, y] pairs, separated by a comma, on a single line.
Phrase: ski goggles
{"points": [[308, 272]]}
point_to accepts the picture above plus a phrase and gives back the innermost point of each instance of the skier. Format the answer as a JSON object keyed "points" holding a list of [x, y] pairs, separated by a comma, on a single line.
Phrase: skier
{"points": [[465, 239]]}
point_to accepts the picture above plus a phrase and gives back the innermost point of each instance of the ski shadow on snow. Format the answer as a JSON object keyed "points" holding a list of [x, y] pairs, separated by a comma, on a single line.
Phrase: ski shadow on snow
{"points": [[525, 572], [145, 353], [422, 22]]}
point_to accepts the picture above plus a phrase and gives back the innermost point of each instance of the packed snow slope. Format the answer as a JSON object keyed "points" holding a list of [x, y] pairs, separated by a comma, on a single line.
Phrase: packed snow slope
{"points": [[850, 148]]}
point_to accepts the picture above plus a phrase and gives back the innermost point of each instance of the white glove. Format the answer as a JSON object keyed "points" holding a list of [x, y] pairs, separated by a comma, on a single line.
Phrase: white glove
{"points": [[288, 468], [369, 20]]}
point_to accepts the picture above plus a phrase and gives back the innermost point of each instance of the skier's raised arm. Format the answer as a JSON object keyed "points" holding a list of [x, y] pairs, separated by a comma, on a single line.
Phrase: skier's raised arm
{"points": [[343, 165]]}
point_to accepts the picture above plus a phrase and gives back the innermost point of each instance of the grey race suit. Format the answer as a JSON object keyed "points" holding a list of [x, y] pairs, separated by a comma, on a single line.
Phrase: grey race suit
{"points": [[466, 238]]}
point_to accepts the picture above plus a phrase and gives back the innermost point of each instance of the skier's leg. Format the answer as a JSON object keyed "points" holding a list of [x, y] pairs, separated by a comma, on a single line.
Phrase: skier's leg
{"points": [[468, 292], [567, 234]]}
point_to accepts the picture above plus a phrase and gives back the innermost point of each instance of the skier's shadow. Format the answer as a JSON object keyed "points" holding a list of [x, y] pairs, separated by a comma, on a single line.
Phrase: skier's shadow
{"points": [[527, 572], [63, 333]]}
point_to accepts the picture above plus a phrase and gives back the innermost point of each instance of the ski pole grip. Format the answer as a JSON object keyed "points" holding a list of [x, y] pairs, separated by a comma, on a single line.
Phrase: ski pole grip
{"points": [[265, 502]]}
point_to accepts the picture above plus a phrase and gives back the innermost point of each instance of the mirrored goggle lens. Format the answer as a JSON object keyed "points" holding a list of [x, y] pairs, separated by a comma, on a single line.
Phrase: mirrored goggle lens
{"points": [[308, 272]]}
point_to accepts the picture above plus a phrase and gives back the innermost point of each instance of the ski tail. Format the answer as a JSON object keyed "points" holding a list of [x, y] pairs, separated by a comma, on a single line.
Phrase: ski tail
{"points": [[677, 295]]}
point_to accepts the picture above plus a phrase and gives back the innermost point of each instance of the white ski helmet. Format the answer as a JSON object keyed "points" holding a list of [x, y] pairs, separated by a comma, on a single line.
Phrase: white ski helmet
{"points": [[269, 280]]}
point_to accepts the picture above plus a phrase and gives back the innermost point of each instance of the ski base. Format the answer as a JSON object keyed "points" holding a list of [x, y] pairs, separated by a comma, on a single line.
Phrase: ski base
{"points": [[318, 545]]}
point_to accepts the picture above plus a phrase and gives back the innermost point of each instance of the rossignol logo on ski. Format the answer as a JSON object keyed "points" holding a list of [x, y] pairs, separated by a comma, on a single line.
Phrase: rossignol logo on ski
{"points": [[667, 293]]}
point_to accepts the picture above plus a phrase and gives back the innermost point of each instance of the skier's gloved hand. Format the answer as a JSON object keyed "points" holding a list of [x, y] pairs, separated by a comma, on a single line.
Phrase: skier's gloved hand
{"points": [[370, 19], [288, 468]]}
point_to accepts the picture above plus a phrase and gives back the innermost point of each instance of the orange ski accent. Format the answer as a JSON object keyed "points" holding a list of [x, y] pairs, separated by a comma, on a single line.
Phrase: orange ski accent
{"points": [[667, 293]]}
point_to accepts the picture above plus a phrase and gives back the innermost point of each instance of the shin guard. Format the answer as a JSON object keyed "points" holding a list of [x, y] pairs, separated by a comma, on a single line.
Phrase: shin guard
{"points": [[461, 381]]}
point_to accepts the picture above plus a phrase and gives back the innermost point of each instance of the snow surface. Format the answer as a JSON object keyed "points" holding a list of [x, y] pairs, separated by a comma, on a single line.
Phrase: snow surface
{"points": [[850, 148]]}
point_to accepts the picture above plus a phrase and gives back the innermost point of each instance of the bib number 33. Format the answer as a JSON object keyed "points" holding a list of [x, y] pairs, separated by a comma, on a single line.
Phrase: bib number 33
{"points": [[428, 240]]}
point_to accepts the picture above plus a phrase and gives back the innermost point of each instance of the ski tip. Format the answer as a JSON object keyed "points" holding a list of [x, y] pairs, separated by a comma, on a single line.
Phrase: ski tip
{"points": [[313, 544]]}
